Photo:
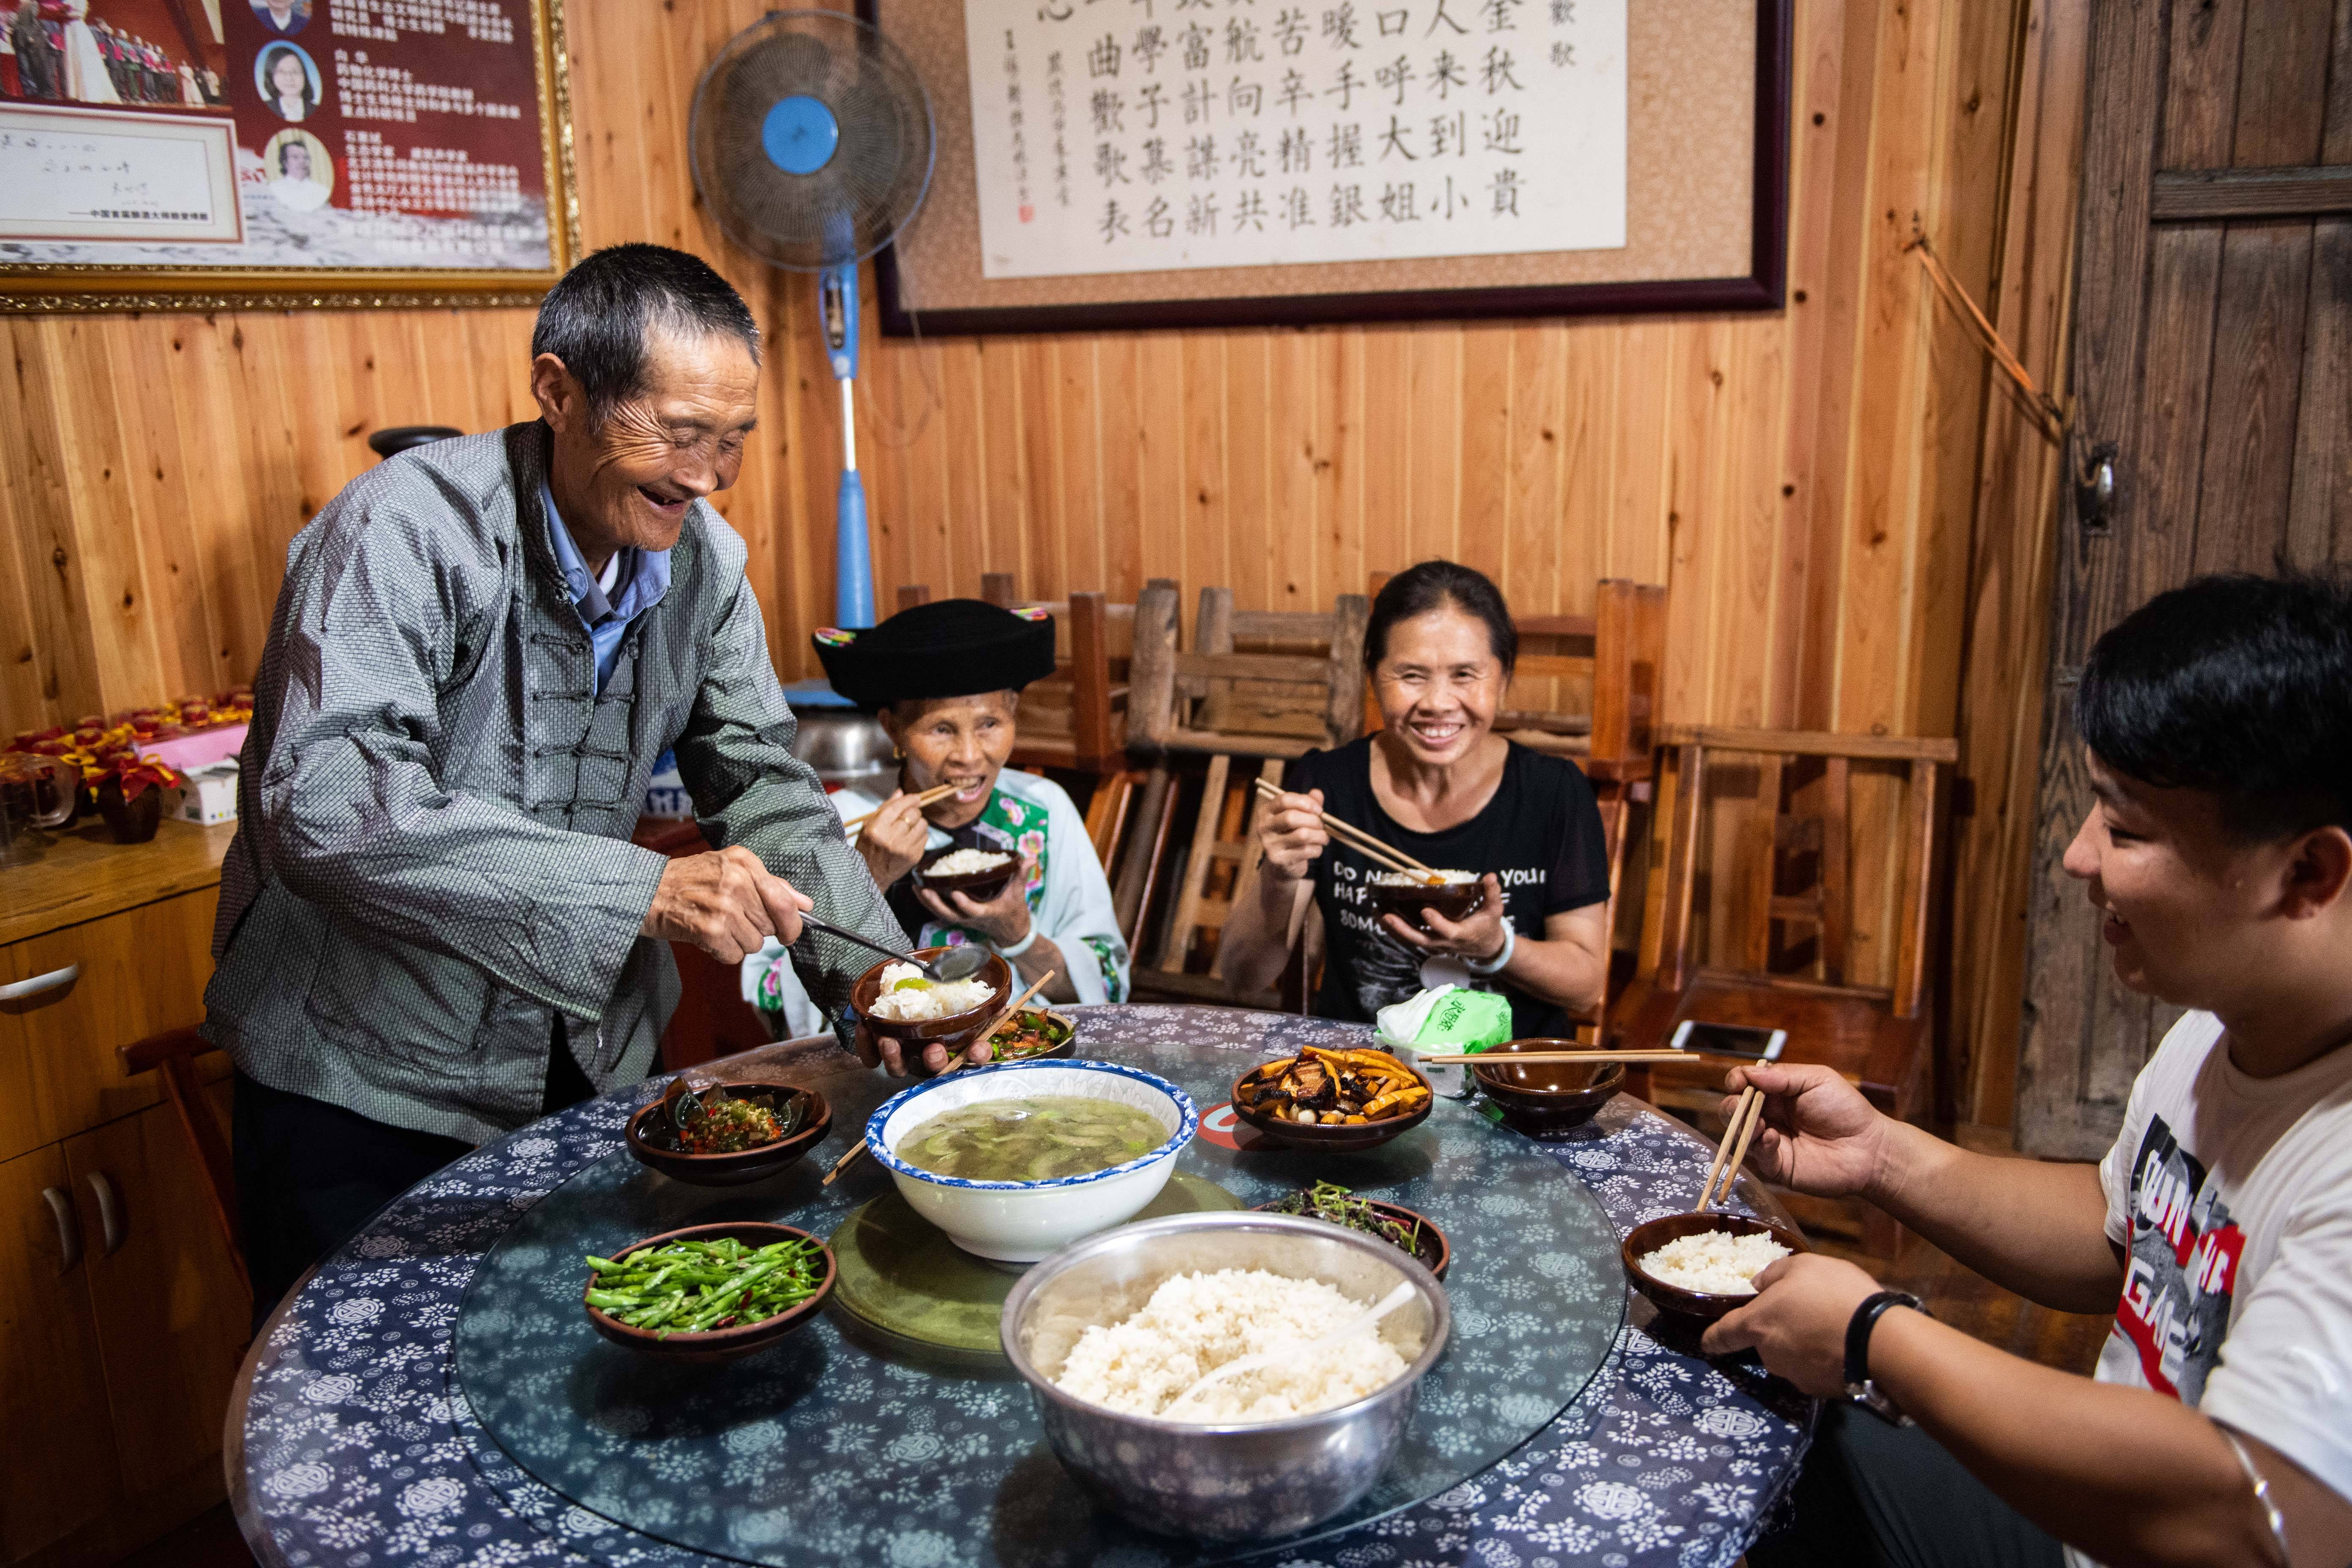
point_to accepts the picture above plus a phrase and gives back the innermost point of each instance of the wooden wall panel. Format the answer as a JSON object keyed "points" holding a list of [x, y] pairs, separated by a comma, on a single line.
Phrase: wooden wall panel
{"points": [[1848, 518]]}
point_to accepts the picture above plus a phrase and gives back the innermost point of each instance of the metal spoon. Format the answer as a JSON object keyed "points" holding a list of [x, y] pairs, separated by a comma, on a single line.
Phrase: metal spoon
{"points": [[960, 962]]}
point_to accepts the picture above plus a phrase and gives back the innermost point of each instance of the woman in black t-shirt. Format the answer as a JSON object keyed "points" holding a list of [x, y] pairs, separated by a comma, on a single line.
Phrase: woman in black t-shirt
{"points": [[1439, 785]]}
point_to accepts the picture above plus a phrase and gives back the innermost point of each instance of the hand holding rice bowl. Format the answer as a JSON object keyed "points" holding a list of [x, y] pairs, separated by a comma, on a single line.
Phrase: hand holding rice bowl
{"points": [[1457, 895], [1667, 1293], [1021, 1221]]}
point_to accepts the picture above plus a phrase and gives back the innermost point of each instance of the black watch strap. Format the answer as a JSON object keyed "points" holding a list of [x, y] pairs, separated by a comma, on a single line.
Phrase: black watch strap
{"points": [[1858, 1385]]}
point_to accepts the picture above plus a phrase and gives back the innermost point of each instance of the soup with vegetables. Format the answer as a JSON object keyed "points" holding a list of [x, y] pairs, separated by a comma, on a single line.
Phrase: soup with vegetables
{"points": [[1033, 1139]]}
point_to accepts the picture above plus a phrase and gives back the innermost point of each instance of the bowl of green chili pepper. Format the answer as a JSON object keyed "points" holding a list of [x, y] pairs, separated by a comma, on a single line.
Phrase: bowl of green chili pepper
{"points": [[709, 1292]]}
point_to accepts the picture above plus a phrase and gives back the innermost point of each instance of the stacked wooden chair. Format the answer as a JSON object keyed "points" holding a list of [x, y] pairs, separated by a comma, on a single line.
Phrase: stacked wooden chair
{"points": [[1765, 913], [1255, 686]]}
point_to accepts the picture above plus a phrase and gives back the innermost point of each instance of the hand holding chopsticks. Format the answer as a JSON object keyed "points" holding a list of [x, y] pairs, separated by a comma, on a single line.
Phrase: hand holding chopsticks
{"points": [[1740, 1132], [1356, 838], [937, 792], [858, 1150]]}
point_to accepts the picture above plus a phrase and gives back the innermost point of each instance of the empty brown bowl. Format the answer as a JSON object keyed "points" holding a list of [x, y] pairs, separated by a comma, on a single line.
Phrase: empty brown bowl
{"points": [[1430, 1247], [978, 886], [1340, 1138], [1455, 901], [955, 1032], [738, 1169], [1547, 1098], [719, 1344], [1705, 1305]]}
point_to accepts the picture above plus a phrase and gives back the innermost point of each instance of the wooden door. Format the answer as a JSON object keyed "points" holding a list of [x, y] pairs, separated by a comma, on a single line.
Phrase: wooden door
{"points": [[2212, 370], [59, 1481], [171, 1312]]}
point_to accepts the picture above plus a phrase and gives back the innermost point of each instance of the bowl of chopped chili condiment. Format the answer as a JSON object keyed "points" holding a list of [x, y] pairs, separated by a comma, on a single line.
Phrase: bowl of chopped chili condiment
{"points": [[727, 1134]]}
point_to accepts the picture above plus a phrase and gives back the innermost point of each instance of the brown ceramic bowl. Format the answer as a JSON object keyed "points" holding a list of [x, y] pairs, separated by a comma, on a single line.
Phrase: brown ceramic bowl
{"points": [[720, 1344], [1069, 1046], [730, 1170], [978, 886], [1705, 1305], [1545, 1099], [1434, 1252], [1339, 1139], [1455, 901], [955, 1032]]}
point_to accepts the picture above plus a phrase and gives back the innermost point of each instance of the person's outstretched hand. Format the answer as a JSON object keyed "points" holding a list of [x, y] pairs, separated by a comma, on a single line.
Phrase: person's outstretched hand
{"points": [[725, 902], [1819, 1134]]}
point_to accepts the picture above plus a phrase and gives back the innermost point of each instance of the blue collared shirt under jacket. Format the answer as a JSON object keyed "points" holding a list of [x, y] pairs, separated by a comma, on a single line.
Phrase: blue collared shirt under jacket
{"points": [[642, 578], [433, 867]]}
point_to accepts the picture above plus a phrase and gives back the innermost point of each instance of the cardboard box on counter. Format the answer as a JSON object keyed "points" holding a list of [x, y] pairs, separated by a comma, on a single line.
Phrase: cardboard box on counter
{"points": [[211, 794]]}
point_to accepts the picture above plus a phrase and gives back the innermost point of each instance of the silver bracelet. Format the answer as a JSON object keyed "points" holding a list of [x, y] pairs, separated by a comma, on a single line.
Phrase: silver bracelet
{"points": [[1018, 948], [1501, 960], [2271, 1515]]}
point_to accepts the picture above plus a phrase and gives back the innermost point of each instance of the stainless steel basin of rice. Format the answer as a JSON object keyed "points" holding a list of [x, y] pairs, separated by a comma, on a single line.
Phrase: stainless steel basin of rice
{"points": [[1220, 1482]]}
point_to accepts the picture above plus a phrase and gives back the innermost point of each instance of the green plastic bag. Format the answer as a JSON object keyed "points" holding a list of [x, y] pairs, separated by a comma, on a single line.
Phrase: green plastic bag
{"points": [[1464, 1021]]}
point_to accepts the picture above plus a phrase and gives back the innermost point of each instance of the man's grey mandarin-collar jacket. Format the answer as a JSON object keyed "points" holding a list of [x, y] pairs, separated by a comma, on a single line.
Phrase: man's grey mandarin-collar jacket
{"points": [[432, 854]]}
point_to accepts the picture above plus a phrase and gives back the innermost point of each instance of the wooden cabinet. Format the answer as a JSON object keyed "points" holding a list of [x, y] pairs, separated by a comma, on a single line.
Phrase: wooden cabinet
{"points": [[57, 1486], [171, 1312], [123, 1321]]}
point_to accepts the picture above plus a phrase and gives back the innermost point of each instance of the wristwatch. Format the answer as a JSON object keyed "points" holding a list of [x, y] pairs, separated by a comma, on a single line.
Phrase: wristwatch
{"points": [[1859, 1388]]}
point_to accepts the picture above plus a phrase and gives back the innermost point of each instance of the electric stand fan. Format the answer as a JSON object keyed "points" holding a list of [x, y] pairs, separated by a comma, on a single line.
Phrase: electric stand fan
{"points": [[811, 143]]}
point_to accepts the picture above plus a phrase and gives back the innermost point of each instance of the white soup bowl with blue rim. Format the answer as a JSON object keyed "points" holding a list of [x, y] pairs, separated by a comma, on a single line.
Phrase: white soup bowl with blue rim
{"points": [[1020, 1222]]}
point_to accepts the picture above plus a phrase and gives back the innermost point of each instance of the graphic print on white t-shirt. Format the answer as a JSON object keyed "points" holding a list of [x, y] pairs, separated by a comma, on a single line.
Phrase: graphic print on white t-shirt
{"points": [[2181, 1269]]}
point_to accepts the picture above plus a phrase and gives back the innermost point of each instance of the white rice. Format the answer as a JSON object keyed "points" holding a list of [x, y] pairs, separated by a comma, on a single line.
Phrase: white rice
{"points": [[1714, 1261], [936, 1000], [1415, 879], [1194, 1324], [964, 862]]}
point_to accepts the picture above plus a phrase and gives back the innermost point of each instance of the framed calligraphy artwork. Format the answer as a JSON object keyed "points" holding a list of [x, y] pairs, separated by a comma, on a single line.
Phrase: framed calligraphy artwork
{"points": [[191, 155], [1123, 163]]}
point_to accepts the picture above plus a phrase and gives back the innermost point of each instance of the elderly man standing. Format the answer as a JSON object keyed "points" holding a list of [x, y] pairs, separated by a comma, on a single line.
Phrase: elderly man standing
{"points": [[433, 926]]}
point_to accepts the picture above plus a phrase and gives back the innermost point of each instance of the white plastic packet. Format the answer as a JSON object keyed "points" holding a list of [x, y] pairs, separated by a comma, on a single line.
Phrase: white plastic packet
{"points": [[1395, 1027]]}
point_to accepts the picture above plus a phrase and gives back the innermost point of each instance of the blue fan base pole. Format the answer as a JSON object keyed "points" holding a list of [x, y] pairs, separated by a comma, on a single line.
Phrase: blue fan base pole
{"points": [[853, 588]]}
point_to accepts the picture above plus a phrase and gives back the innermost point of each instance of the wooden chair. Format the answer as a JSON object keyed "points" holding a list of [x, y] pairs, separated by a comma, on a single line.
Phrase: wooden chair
{"points": [[1783, 907], [1300, 686], [175, 1052], [1614, 657]]}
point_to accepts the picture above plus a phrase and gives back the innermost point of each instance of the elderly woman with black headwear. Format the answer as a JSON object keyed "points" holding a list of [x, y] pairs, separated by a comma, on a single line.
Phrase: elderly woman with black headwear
{"points": [[945, 680]]}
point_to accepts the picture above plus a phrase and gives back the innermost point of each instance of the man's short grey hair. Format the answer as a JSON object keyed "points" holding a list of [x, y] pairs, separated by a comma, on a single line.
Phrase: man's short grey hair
{"points": [[597, 316]]}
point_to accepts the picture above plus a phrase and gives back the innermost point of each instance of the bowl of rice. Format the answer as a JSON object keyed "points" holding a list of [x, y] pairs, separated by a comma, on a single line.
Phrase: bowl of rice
{"points": [[898, 1003], [1699, 1265], [1109, 1331], [977, 874], [1405, 894]]}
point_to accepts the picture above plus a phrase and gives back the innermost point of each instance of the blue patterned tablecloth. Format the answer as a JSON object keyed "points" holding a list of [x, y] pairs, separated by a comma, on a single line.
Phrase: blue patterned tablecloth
{"points": [[358, 1448]]}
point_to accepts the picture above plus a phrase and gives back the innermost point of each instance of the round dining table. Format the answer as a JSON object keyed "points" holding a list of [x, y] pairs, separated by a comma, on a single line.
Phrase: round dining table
{"points": [[352, 1443]]}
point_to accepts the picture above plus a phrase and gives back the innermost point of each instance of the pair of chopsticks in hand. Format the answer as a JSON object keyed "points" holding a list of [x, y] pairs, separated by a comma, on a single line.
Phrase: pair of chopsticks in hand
{"points": [[937, 792], [1361, 841], [1744, 1115], [858, 1150]]}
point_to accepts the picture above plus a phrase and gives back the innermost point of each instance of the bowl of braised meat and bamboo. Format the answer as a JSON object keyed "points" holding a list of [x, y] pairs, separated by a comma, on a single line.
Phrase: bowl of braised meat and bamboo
{"points": [[1334, 1101]]}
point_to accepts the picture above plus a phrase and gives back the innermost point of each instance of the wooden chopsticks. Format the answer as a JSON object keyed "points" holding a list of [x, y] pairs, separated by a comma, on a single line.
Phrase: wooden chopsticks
{"points": [[1744, 1115], [935, 793], [1363, 842], [858, 1150], [1553, 1058]]}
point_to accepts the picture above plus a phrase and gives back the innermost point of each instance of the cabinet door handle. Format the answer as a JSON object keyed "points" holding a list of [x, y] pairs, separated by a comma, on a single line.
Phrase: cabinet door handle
{"points": [[109, 1213], [15, 990], [68, 1228]]}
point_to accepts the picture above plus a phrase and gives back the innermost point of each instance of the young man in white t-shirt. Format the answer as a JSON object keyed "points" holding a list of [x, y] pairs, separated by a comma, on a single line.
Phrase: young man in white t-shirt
{"points": [[2217, 723]]}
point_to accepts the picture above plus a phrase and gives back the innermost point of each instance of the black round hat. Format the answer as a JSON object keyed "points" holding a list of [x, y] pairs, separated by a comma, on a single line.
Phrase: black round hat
{"points": [[955, 647]]}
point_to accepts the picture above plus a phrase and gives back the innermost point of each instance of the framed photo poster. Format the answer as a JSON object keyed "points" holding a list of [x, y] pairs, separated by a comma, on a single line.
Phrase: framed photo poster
{"points": [[1122, 163], [191, 155]]}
